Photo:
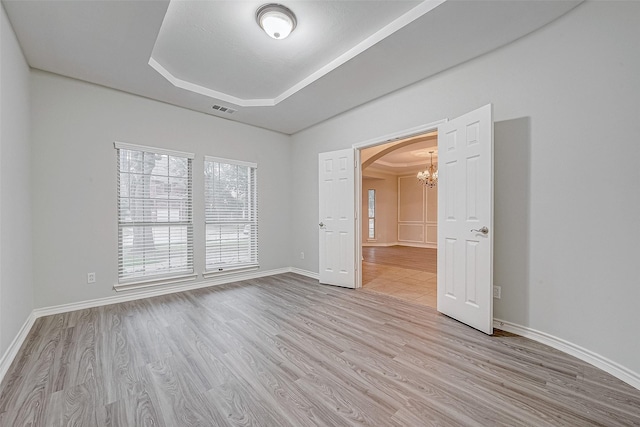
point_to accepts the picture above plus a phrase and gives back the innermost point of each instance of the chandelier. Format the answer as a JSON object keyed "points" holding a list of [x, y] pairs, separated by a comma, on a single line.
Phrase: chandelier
{"points": [[429, 176]]}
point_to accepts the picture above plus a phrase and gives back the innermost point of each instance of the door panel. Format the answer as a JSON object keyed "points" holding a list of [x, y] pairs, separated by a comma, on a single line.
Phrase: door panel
{"points": [[337, 218], [465, 251]]}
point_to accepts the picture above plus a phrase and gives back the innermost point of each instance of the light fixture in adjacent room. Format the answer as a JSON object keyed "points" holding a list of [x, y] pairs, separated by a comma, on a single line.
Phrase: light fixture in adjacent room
{"points": [[429, 176], [276, 20]]}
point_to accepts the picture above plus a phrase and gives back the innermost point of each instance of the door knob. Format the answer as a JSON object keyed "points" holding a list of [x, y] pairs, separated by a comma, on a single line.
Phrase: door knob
{"points": [[321, 225], [483, 230]]}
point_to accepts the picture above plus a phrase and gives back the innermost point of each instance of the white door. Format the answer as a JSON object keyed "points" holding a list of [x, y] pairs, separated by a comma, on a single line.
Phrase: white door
{"points": [[337, 218], [465, 219]]}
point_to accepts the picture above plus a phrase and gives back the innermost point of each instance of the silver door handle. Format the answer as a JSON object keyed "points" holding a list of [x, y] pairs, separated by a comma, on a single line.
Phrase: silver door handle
{"points": [[483, 230]]}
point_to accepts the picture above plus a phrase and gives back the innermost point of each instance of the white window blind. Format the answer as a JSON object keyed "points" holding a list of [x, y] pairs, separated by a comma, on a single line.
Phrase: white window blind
{"points": [[231, 214], [155, 217]]}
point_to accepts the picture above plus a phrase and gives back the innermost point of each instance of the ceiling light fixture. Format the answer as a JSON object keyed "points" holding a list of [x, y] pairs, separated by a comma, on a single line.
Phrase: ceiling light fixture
{"points": [[276, 20], [429, 177]]}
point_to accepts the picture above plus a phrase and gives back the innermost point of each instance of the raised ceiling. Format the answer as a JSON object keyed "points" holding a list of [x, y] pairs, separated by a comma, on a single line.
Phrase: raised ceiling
{"points": [[234, 67], [406, 156], [198, 54]]}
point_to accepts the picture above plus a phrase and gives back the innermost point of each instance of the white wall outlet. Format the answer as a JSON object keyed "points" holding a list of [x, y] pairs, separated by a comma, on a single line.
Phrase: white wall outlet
{"points": [[91, 277], [301, 255], [497, 292]]}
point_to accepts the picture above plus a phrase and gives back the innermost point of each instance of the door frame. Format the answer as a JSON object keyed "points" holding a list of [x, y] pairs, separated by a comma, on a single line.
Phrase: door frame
{"points": [[392, 137]]}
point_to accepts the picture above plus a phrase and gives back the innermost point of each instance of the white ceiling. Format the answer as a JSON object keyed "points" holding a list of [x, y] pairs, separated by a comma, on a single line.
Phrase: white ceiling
{"points": [[197, 54]]}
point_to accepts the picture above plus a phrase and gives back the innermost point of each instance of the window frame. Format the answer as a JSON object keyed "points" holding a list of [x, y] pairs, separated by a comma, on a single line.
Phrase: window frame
{"points": [[211, 270], [147, 279], [371, 218]]}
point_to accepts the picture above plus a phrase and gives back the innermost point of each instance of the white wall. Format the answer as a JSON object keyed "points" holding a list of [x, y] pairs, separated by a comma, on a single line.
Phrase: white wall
{"points": [[16, 282], [74, 179], [567, 107]]}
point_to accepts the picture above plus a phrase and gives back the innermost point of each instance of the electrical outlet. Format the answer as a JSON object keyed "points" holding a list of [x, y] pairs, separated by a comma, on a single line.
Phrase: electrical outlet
{"points": [[497, 292], [301, 255], [91, 277]]}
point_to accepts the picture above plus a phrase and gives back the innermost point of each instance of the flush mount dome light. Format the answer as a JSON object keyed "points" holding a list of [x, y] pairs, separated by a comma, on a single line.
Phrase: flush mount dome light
{"points": [[276, 20]]}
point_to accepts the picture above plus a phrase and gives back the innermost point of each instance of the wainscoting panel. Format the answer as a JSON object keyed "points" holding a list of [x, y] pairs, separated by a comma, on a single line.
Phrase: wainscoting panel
{"points": [[417, 213], [413, 233]]}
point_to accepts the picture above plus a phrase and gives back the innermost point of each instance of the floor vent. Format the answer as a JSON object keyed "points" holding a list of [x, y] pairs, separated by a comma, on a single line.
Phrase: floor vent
{"points": [[224, 109]]}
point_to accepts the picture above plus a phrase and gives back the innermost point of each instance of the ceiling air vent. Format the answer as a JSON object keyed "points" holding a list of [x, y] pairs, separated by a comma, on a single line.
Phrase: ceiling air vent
{"points": [[224, 109]]}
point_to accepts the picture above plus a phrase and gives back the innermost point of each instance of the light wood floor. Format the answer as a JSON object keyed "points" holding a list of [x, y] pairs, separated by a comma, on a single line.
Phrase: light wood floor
{"points": [[286, 351], [401, 272], [423, 259]]}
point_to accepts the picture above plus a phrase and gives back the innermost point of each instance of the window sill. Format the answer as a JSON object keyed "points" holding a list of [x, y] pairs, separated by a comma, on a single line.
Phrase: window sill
{"points": [[215, 273], [149, 283]]}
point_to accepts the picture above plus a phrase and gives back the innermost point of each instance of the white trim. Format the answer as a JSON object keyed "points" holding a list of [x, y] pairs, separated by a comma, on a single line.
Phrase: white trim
{"points": [[382, 245], [149, 283], [233, 270], [601, 362], [395, 25], [428, 245], [202, 90], [306, 273], [146, 149], [400, 134], [394, 136], [14, 347], [230, 161], [148, 293], [420, 164]]}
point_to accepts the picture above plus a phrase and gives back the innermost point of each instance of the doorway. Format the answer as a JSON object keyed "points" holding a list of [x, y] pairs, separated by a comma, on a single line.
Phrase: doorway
{"points": [[399, 219], [465, 215]]}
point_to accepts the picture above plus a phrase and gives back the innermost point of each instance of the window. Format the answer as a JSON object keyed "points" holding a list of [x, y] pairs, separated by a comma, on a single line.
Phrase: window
{"points": [[155, 222], [231, 214], [372, 214]]}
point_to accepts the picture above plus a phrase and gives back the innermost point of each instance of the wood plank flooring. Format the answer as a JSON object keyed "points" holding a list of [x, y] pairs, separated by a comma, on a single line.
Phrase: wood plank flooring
{"points": [[286, 351], [423, 259]]}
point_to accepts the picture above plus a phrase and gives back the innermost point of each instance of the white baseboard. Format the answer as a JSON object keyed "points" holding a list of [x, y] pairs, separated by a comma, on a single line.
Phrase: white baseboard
{"points": [[307, 273], [408, 244], [419, 245], [14, 347], [601, 362], [165, 290]]}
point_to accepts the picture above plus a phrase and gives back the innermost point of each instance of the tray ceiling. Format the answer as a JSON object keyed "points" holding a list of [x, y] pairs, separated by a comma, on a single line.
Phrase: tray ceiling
{"points": [[198, 54]]}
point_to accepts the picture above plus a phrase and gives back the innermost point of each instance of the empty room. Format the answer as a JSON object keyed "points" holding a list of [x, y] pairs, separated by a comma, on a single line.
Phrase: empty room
{"points": [[384, 213]]}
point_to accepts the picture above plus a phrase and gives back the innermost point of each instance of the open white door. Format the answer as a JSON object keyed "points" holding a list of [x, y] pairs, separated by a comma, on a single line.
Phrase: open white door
{"points": [[337, 218], [465, 219]]}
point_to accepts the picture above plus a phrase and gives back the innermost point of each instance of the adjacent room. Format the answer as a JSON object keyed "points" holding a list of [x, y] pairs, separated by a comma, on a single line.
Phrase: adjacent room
{"points": [[226, 213], [400, 201]]}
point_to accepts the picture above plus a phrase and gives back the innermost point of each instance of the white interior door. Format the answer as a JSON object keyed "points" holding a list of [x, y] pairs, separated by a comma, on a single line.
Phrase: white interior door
{"points": [[465, 219], [337, 218]]}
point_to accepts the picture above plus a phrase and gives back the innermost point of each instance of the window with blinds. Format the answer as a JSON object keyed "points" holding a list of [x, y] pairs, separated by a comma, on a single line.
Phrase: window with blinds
{"points": [[155, 218], [372, 214], [231, 214]]}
